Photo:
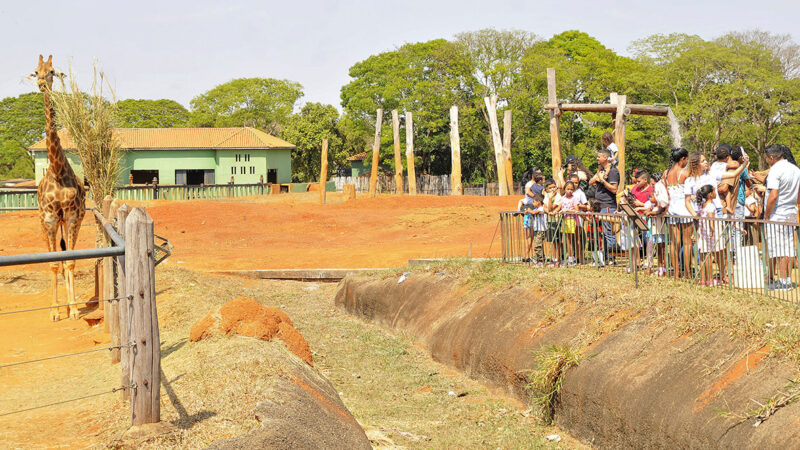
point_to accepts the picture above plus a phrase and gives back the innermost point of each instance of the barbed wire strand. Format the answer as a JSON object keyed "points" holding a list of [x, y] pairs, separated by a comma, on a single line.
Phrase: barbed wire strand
{"points": [[63, 356], [109, 300], [121, 388]]}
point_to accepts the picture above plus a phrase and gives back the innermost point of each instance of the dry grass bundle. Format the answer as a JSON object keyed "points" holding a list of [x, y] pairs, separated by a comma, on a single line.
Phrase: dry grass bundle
{"points": [[90, 119]]}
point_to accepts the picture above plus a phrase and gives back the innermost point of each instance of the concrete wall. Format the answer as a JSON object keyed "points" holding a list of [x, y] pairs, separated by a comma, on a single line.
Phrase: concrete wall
{"points": [[252, 164]]}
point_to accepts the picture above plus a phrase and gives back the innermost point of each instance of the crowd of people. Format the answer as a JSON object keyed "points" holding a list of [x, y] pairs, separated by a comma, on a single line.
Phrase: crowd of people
{"points": [[682, 226]]}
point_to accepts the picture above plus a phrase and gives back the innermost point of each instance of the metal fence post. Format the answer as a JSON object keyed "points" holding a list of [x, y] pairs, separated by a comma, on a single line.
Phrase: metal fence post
{"points": [[145, 356]]}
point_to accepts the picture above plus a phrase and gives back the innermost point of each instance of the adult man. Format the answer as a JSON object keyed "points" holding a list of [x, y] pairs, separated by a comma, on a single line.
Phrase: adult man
{"points": [[782, 200], [606, 180]]}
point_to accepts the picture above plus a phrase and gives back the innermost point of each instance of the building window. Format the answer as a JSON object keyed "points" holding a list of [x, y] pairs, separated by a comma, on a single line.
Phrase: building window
{"points": [[233, 170], [238, 157], [241, 170], [252, 170], [247, 157]]}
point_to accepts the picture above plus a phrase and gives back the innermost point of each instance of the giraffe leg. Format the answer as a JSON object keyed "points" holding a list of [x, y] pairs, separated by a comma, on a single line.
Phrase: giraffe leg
{"points": [[71, 227], [49, 229]]}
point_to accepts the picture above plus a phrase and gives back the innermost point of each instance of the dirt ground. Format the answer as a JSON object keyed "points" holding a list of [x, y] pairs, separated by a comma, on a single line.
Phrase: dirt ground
{"points": [[294, 231], [287, 231]]}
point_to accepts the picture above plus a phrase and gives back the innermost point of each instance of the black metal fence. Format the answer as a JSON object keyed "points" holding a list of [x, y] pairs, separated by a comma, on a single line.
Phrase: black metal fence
{"points": [[755, 256]]}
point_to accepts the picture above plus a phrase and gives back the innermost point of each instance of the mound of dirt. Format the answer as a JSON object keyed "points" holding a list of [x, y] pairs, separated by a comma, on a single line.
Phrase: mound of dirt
{"points": [[247, 317]]}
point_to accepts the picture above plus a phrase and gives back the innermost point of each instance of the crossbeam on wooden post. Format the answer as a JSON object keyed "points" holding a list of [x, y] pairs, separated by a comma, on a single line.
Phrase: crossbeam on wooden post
{"points": [[376, 150], [555, 114], [610, 108], [456, 188], [491, 109], [398, 159], [412, 175], [323, 172], [145, 356]]}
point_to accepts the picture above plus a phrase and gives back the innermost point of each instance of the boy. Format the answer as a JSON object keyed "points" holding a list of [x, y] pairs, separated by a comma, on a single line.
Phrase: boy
{"points": [[608, 143], [538, 229]]}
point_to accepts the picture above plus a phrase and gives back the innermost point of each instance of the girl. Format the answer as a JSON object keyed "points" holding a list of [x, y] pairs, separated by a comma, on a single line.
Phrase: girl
{"points": [[571, 203], [706, 242], [655, 208], [552, 206], [680, 223], [699, 176]]}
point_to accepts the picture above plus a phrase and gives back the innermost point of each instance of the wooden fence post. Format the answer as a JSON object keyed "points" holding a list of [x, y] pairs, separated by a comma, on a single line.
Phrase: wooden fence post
{"points": [[104, 205], [323, 172], [507, 150], [145, 357], [555, 114], [123, 307], [491, 109], [111, 315], [456, 187], [412, 175], [376, 150]]}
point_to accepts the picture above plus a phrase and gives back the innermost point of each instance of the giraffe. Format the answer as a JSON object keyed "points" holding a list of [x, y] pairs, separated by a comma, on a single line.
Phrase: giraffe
{"points": [[62, 198]]}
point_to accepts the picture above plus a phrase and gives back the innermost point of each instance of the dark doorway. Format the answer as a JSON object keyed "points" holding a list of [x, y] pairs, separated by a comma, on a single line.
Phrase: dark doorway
{"points": [[195, 177], [272, 176], [143, 176]]}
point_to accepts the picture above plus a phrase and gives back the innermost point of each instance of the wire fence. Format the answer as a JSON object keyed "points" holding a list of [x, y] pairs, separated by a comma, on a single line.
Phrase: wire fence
{"points": [[755, 256], [130, 313]]}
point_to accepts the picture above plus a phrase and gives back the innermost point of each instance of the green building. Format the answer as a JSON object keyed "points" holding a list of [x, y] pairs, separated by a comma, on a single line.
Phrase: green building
{"points": [[357, 167], [190, 156]]}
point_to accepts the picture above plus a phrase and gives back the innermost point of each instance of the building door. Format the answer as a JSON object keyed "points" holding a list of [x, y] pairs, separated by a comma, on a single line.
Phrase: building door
{"points": [[272, 176]]}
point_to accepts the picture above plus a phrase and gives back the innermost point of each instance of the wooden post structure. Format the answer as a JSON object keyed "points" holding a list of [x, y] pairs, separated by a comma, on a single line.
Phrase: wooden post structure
{"points": [[376, 150], [555, 114], [123, 309], [145, 357], [104, 205], [323, 172], [456, 188], [398, 158], [111, 315], [507, 150], [491, 109], [412, 173], [619, 139]]}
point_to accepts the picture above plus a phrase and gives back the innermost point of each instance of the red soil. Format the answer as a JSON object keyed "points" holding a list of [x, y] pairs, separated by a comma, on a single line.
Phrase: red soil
{"points": [[294, 231], [742, 367], [247, 317]]}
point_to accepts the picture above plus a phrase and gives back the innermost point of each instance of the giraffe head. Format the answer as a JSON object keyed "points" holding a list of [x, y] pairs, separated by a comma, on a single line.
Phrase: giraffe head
{"points": [[44, 73]]}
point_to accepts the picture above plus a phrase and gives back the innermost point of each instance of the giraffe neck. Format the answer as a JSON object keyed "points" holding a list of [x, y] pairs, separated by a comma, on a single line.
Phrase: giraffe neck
{"points": [[55, 154]]}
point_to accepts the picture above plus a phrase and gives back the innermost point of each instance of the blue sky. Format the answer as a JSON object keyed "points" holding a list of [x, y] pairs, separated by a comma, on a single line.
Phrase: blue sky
{"points": [[179, 49]]}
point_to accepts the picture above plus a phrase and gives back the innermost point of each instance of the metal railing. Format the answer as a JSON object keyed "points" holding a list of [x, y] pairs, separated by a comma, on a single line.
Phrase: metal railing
{"points": [[754, 256]]}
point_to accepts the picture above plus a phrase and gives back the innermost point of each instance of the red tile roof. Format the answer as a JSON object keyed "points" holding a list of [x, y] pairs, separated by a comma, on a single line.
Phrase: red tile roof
{"points": [[184, 139]]}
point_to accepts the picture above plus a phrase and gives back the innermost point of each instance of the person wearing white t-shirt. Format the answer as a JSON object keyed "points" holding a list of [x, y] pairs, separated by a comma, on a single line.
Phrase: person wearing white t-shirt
{"points": [[608, 143], [781, 205]]}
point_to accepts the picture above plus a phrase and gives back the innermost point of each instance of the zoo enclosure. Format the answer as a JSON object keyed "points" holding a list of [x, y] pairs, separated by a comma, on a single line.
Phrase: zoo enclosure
{"points": [[734, 254], [128, 298]]}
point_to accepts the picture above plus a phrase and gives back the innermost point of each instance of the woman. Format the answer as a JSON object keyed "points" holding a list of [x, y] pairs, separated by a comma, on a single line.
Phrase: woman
{"points": [[699, 176], [680, 222]]}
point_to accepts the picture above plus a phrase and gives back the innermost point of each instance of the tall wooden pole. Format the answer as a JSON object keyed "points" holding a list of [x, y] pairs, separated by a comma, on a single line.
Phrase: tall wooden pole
{"points": [[456, 188], [124, 308], [323, 172], [619, 139], [507, 150], [555, 135], [412, 175], [398, 159], [491, 109], [140, 282], [376, 150]]}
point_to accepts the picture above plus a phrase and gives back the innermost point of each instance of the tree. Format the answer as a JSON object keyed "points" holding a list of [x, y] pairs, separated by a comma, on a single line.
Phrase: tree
{"points": [[22, 123], [264, 103], [151, 114], [306, 130]]}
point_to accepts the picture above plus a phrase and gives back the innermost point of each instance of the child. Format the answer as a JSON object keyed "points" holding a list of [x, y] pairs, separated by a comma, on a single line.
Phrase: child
{"points": [[571, 204], [525, 205], [594, 234], [552, 206], [751, 211], [539, 228], [608, 143], [629, 240], [705, 240]]}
